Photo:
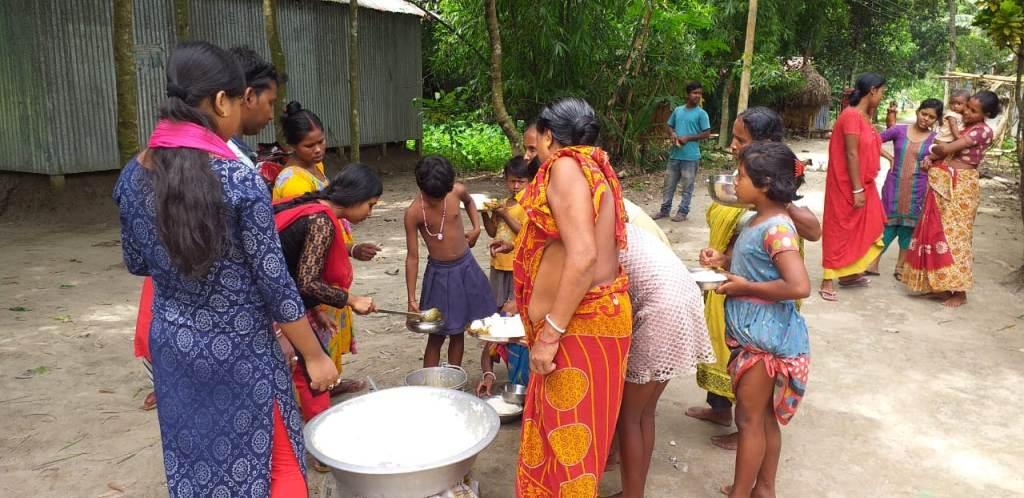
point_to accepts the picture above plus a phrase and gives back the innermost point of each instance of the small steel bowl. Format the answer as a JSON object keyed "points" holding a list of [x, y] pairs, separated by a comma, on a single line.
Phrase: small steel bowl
{"points": [[422, 327], [514, 393], [707, 285], [722, 189]]}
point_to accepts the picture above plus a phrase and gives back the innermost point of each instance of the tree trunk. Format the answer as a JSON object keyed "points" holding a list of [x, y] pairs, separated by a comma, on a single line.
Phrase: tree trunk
{"points": [[353, 79], [635, 51], [726, 125], [515, 140], [124, 72], [1018, 99], [182, 19], [748, 57], [951, 63], [278, 60]]}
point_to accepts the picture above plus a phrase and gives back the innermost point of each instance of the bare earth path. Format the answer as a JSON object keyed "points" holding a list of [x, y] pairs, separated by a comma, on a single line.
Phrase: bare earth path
{"points": [[906, 398]]}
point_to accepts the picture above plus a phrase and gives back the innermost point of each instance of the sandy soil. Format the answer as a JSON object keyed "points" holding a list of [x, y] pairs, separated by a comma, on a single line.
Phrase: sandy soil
{"points": [[906, 398]]}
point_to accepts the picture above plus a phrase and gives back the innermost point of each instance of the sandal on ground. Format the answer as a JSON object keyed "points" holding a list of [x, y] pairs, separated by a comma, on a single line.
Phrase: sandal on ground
{"points": [[150, 402], [897, 276], [828, 295], [860, 281], [872, 273], [320, 466], [347, 386]]}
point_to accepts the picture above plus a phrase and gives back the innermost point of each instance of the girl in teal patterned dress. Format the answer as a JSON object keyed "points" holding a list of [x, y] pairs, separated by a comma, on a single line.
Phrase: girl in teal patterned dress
{"points": [[766, 277]]}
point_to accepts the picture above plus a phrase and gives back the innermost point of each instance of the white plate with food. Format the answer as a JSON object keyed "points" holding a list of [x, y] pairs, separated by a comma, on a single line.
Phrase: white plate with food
{"points": [[484, 202], [497, 328]]}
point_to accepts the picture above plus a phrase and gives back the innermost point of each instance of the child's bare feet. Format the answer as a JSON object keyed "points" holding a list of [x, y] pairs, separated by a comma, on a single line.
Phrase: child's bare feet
{"points": [[720, 417], [955, 300], [762, 491], [726, 442]]}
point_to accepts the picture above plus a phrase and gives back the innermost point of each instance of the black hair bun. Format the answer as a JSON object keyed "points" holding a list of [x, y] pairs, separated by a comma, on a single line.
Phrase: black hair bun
{"points": [[585, 130], [293, 108]]}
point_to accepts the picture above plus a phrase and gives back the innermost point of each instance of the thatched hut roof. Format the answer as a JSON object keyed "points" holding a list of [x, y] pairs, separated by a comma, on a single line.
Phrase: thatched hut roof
{"points": [[814, 93]]}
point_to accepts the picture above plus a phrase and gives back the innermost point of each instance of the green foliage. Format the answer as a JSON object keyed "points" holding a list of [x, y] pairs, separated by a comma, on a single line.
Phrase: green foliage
{"points": [[1002, 21], [469, 146]]}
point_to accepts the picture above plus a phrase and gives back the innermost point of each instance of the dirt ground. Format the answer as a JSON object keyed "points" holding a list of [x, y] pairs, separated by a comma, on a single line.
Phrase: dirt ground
{"points": [[906, 398]]}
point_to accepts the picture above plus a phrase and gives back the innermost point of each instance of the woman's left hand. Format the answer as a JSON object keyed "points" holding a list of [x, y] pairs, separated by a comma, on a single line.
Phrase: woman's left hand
{"points": [[543, 351], [324, 321], [365, 251], [859, 200], [734, 285]]}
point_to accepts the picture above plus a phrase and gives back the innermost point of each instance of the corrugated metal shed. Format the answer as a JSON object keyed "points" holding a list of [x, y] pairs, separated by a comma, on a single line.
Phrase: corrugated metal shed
{"points": [[56, 87], [57, 91]]}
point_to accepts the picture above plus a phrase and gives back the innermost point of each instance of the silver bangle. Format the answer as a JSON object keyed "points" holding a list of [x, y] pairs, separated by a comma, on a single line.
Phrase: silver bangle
{"points": [[277, 333], [547, 318], [495, 377], [859, 191]]}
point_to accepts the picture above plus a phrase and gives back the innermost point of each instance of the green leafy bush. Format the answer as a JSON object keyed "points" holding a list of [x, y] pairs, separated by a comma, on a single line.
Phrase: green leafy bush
{"points": [[469, 146]]}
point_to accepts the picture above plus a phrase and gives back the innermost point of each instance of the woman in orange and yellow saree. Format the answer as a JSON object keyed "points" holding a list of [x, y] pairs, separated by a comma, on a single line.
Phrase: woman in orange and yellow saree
{"points": [[572, 295]]}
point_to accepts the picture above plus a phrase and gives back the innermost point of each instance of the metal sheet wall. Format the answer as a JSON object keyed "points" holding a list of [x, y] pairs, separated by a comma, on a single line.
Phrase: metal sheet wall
{"points": [[59, 87], [23, 132], [57, 82], [315, 39], [154, 38]]}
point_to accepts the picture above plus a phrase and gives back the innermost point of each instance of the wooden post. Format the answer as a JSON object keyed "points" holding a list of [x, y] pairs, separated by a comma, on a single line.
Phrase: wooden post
{"points": [[278, 59], [353, 78], [748, 58], [182, 20], [126, 86], [951, 62]]}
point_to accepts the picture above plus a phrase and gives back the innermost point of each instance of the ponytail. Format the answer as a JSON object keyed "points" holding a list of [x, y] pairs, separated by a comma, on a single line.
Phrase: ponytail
{"points": [[191, 215], [865, 83]]}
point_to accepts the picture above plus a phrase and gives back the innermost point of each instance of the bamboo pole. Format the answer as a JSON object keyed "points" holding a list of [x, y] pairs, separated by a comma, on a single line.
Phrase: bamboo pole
{"points": [[748, 58], [125, 84]]}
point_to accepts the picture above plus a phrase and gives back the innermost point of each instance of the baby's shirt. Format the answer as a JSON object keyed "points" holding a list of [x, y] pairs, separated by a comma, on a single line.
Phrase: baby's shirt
{"points": [[945, 134]]}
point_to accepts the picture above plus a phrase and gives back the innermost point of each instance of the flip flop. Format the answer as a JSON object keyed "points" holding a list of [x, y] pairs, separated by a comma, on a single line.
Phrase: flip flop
{"points": [[860, 281], [150, 402], [897, 276], [827, 295], [872, 273]]}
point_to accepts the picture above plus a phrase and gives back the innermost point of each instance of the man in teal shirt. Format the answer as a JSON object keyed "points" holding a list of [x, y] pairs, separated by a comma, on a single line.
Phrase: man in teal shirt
{"points": [[689, 124]]}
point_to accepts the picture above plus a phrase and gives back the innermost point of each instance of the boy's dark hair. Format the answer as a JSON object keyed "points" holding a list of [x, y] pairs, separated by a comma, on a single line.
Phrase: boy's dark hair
{"points": [[763, 124], [989, 103], [435, 176], [297, 122], [773, 165], [517, 167], [693, 85], [933, 104], [259, 73], [354, 185], [960, 93]]}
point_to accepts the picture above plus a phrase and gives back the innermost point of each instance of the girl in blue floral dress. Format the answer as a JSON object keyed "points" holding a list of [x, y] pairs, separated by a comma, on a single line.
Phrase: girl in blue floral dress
{"points": [[200, 223], [765, 331]]}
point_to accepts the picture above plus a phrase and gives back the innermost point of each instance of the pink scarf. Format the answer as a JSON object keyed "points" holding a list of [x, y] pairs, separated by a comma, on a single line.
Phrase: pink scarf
{"points": [[172, 134]]}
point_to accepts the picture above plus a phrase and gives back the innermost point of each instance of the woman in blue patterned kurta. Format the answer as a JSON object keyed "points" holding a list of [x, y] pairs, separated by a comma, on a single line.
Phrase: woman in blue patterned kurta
{"points": [[219, 374]]}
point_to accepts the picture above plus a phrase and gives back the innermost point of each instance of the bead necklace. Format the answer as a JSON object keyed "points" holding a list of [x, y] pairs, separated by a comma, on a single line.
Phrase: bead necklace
{"points": [[444, 214]]}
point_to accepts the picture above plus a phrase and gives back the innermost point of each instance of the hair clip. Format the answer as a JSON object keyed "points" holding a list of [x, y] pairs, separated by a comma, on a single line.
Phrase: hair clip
{"points": [[798, 168]]}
